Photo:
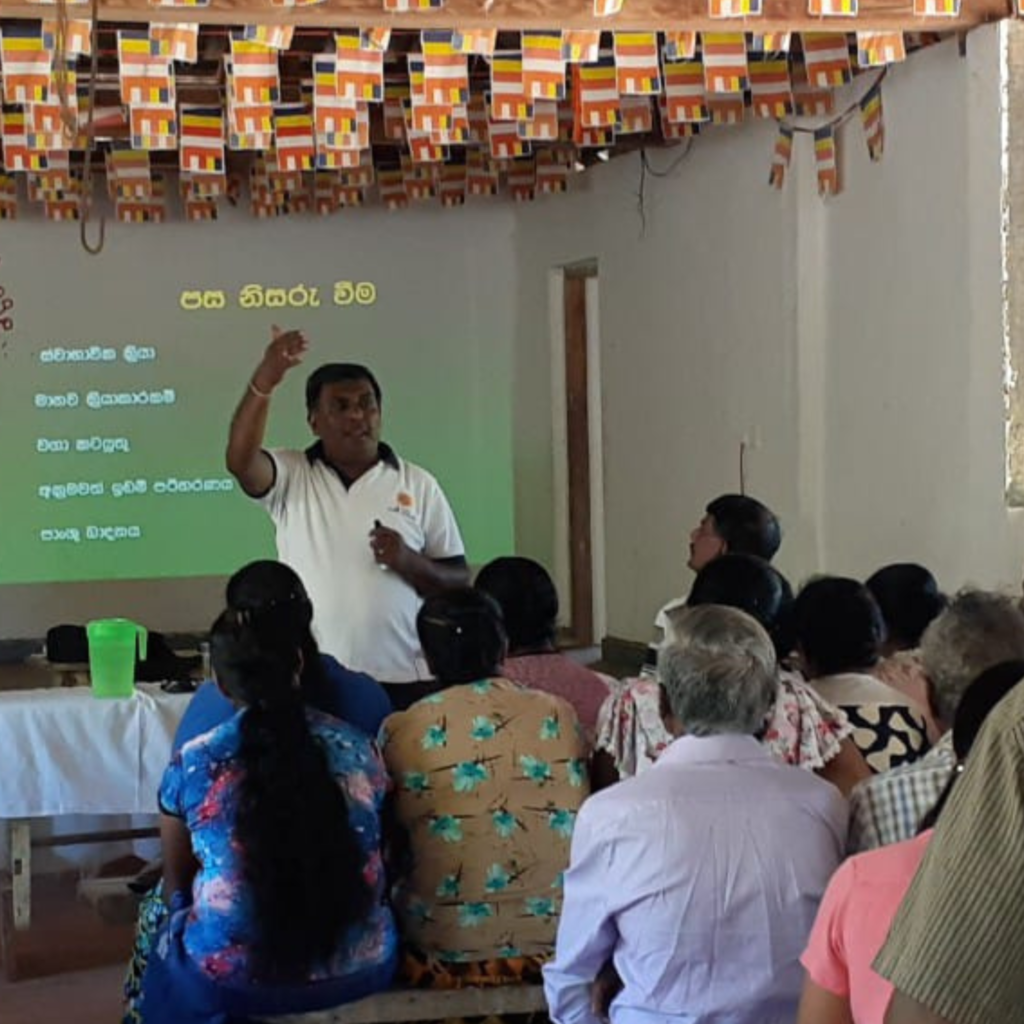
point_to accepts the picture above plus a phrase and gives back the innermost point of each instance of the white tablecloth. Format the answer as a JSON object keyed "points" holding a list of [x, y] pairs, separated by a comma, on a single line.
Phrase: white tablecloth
{"points": [[65, 752]]}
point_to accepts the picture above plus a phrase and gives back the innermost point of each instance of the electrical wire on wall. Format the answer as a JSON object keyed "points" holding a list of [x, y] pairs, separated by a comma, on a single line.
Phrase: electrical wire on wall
{"points": [[645, 169]]}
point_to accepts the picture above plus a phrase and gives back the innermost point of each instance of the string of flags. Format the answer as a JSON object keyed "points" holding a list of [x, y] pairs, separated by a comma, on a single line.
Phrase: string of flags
{"points": [[557, 93]]}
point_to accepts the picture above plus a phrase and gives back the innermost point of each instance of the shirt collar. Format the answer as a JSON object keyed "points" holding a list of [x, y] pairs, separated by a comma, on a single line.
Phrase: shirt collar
{"points": [[385, 454], [729, 747]]}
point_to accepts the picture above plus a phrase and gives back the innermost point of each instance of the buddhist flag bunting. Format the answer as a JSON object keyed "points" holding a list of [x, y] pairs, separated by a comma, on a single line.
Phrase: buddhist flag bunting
{"points": [[154, 127], [45, 127], [418, 179], [293, 134], [581, 45], [781, 157], [725, 62], [128, 173], [522, 180], [937, 8], [325, 193], [404, 6], [637, 116], [827, 58], [325, 77], [146, 74], [871, 118], [638, 72], [771, 42], [455, 132], [392, 189], [77, 38], [178, 41], [394, 119], [26, 63], [877, 49], [596, 93], [509, 101], [129, 211], [544, 125], [478, 107], [552, 173], [543, 65], [179, 3], [479, 41], [607, 8], [375, 38], [202, 140], [14, 133], [452, 185], [566, 121], [62, 209], [424, 150], [808, 100], [326, 159], [684, 92], [433, 118], [445, 69], [825, 158], [593, 138], [505, 143], [734, 8], [360, 73], [726, 109], [417, 81], [278, 37], [680, 45], [250, 125], [673, 130], [832, 8], [200, 209], [361, 175], [481, 174], [348, 195], [202, 186], [770, 90], [252, 74]]}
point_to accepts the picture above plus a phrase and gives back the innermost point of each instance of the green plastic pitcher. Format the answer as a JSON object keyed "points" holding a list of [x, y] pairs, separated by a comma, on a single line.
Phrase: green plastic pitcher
{"points": [[112, 655]]}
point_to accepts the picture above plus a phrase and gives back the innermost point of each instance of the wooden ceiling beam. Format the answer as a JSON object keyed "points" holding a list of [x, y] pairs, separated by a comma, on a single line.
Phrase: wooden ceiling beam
{"points": [[779, 15]]}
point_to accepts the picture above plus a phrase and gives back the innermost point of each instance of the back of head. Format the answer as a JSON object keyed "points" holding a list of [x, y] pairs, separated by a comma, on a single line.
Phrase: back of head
{"points": [[462, 635], [977, 630], [528, 600], [909, 598], [300, 858], [839, 627], [718, 672], [751, 585], [746, 526], [338, 373]]}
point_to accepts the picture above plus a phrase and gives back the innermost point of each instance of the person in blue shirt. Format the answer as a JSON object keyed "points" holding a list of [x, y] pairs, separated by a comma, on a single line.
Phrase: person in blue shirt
{"points": [[354, 697]]}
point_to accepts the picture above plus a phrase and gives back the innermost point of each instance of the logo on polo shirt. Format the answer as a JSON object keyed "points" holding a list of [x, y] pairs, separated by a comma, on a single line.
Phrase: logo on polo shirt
{"points": [[405, 505]]}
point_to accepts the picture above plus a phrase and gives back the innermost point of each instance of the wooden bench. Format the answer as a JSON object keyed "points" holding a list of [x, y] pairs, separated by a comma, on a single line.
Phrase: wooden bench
{"points": [[401, 1005]]}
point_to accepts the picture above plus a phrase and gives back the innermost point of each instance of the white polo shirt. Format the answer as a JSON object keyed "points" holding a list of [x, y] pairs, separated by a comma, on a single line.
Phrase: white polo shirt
{"points": [[364, 614]]}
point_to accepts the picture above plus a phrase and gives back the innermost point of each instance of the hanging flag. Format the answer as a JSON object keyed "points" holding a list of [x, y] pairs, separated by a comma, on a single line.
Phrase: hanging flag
{"points": [[482, 177], [445, 69], [771, 93], [477, 108], [326, 159], [877, 49], [394, 119], [522, 180], [342, 124], [543, 65], [581, 45], [552, 173], [937, 8], [566, 121], [456, 131], [638, 72], [202, 140], [362, 175], [179, 3], [809, 101], [277, 37], [77, 38], [544, 125], [392, 189], [418, 179], [725, 62], [26, 63], [672, 130], [250, 125], [734, 8], [178, 41], [325, 193], [825, 158], [429, 119], [62, 209], [680, 46], [293, 133], [404, 6], [505, 143], [147, 77], [726, 109], [423, 150], [347, 195], [771, 42], [452, 185], [14, 132], [596, 93], [479, 41], [202, 186], [54, 184], [128, 173], [509, 102], [44, 126], [684, 92], [827, 58], [593, 138], [417, 81], [607, 8], [200, 209], [252, 74], [781, 157], [832, 8], [871, 118], [129, 211], [154, 127], [637, 116], [360, 72], [375, 38]]}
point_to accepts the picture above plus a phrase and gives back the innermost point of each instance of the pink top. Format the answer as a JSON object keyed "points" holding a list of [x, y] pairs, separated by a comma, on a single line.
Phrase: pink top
{"points": [[561, 676], [853, 922]]}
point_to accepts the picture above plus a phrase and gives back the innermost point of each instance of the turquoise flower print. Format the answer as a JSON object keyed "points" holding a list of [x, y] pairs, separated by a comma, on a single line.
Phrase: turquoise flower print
{"points": [[504, 823], [550, 728], [561, 822], [434, 698], [435, 736], [559, 881], [449, 888], [538, 906], [417, 910], [509, 952], [483, 729], [576, 770], [534, 768], [416, 782], [497, 878], [452, 956], [472, 914], [483, 686], [445, 827], [467, 775]]}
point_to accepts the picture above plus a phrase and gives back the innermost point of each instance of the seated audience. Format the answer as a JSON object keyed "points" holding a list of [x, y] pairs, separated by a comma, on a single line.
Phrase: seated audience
{"points": [[271, 835], [864, 894], [801, 729], [909, 599], [839, 633], [953, 952], [489, 777], [700, 878], [529, 604], [275, 591], [976, 631]]}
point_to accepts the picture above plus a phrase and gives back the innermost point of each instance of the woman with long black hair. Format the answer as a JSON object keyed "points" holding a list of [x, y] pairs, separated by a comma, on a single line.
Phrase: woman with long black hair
{"points": [[271, 837]]}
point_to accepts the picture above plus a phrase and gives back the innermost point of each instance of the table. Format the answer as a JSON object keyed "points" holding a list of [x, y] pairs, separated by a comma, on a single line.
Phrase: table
{"points": [[66, 752]]}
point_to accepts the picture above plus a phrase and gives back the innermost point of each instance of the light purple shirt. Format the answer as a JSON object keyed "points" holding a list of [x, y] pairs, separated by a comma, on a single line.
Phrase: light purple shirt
{"points": [[701, 879]]}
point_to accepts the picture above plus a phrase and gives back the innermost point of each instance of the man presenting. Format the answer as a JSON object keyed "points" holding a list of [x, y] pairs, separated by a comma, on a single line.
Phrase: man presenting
{"points": [[369, 533]]}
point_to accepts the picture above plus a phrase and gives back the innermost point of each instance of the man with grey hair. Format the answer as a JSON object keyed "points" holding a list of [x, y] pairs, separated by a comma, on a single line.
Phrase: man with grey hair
{"points": [[978, 630], [699, 879]]}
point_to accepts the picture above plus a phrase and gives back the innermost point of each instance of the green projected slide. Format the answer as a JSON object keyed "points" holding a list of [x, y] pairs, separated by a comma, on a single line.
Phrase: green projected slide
{"points": [[119, 375]]}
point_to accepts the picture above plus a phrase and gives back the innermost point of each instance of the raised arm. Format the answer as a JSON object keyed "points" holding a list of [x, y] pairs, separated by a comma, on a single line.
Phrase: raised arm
{"points": [[246, 460]]}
